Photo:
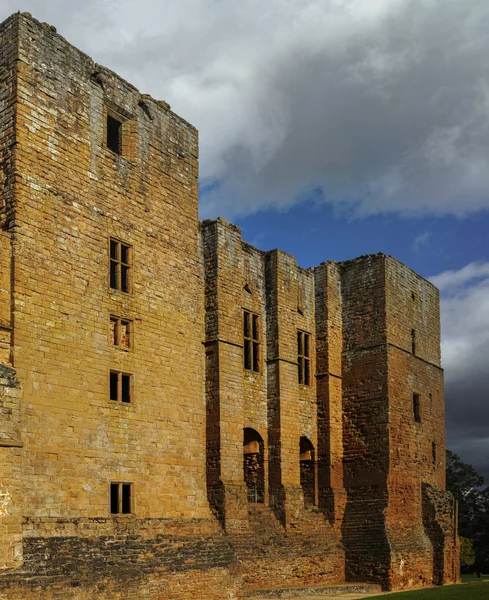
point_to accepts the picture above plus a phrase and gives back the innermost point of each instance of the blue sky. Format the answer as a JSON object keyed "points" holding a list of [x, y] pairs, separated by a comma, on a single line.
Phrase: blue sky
{"points": [[332, 129], [314, 233]]}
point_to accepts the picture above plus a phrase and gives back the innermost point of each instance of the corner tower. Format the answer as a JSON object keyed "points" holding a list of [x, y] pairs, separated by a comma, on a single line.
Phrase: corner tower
{"points": [[393, 428]]}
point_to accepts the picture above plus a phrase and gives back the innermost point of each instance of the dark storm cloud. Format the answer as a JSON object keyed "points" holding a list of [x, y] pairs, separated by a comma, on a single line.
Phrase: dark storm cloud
{"points": [[465, 331]]}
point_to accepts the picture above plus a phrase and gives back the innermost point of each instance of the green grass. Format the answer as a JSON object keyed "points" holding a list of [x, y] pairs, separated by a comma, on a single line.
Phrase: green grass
{"points": [[472, 588], [473, 578]]}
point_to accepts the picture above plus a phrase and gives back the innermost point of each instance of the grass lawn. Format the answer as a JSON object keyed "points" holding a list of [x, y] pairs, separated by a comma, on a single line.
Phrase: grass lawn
{"points": [[472, 588]]}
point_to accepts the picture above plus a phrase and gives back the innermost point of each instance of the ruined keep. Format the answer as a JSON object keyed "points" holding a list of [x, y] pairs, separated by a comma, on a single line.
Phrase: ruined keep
{"points": [[181, 414]]}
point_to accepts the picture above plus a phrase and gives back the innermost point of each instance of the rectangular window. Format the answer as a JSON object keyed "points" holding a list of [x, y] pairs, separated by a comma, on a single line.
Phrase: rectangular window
{"points": [[433, 452], [251, 334], [416, 408], [413, 341], [121, 386], [121, 332], [120, 265], [120, 498], [114, 134], [303, 357]]}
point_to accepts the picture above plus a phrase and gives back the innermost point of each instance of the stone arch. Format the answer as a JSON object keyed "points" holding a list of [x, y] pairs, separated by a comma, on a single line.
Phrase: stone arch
{"points": [[253, 465], [307, 460]]}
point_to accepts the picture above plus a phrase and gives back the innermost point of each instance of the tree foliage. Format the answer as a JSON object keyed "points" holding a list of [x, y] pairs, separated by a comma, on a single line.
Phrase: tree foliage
{"points": [[467, 553], [473, 500]]}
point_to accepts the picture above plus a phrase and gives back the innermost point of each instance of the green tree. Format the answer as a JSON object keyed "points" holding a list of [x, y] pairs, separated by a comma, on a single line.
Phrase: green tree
{"points": [[467, 553], [467, 486]]}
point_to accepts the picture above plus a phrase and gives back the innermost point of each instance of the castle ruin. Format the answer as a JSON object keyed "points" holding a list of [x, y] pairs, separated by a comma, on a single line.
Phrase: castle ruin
{"points": [[183, 415]]}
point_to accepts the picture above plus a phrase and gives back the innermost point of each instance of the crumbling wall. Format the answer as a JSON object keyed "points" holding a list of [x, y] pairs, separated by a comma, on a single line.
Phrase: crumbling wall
{"points": [[11, 492], [89, 559], [439, 518]]}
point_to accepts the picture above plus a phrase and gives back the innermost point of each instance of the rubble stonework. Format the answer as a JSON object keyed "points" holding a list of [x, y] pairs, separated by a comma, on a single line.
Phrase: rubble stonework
{"points": [[245, 473]]}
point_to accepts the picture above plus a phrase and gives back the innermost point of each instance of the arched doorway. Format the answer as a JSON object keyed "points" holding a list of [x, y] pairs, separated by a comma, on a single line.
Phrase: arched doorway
{"points": [[308, 471], [253, 465]]}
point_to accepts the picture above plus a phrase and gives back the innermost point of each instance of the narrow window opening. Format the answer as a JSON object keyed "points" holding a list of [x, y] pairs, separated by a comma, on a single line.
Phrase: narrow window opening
{"points": [[246, 324], [113, 249], [251, 342], [114, 385], [413, 341], [121, 332], [126, 388], [120, 386], [120, 266], [255, 327], [256, 365], [113, 275], [114, 322], [120, 498], [247, 355], [126, 498], [416, 408], [114, 498], [303, 358], [433, 452], [114, 134], [125, 334], [125, 278]]}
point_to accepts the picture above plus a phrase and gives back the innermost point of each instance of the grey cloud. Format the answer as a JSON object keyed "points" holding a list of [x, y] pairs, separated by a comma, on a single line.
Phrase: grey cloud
{"points": [[384, 106], [465, 350], [452, 280]]}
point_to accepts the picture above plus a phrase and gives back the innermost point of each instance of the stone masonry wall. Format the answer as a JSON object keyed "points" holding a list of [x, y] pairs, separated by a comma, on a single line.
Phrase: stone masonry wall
{"points": [[72, 194], [292, 405], [270, 537], [236, 398], [329, 349], [365, 419], [412, 306], [10, 389], [8, 50], [393, 416], [88, 559]]}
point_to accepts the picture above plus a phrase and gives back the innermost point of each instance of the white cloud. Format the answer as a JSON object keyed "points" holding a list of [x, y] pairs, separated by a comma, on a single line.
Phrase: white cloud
{"points": [[452, 280], [384, 104], [421, 241]]}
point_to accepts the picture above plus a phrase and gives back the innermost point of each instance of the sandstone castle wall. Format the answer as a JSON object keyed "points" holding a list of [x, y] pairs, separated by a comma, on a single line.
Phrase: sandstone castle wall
{"points": [[258, 416]]}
